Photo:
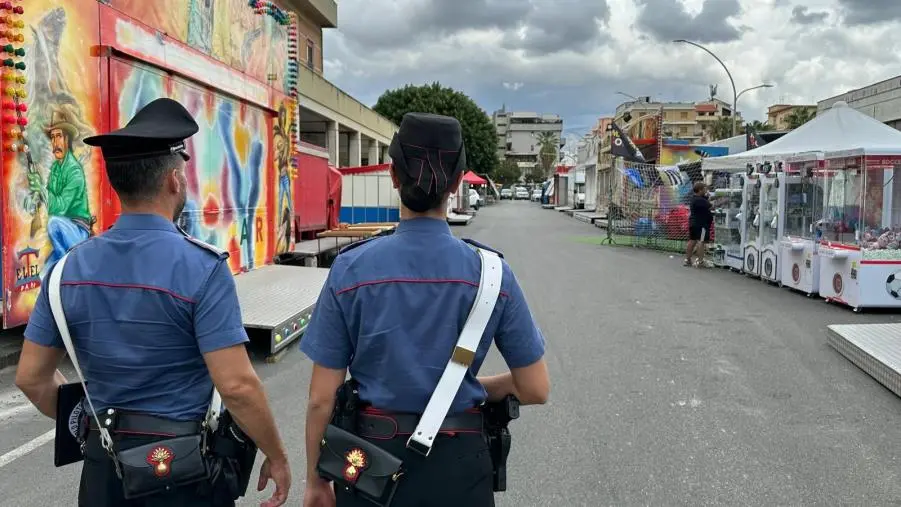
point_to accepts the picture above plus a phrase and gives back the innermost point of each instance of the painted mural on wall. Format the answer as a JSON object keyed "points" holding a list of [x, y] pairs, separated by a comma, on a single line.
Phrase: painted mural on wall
{"points": [[51, 178], [55, 94], [227, 30], [228, 187]]}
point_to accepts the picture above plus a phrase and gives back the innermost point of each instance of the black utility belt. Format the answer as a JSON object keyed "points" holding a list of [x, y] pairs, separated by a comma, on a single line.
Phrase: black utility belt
{"points": [[130, 423], [388, 425]]}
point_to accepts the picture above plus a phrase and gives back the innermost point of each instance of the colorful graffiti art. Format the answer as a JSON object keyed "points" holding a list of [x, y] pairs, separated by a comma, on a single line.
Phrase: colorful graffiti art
{"points": [[60, 85], [227, 183], [50, 176]]}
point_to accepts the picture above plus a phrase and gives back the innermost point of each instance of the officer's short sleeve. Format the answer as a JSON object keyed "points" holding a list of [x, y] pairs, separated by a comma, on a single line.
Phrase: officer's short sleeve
{"points": [[518, 338], [217, 313], [41, 328], [326, 340]]}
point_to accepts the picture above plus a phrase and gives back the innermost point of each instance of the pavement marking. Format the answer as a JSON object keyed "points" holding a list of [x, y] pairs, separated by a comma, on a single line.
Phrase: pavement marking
{"points": [[27, 448]]}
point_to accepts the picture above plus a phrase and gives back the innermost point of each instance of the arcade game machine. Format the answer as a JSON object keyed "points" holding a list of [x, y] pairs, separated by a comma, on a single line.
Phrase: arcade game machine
{"points": [[860, 251], [727, 225], [799, 262], [750, 220], [772, 201]]}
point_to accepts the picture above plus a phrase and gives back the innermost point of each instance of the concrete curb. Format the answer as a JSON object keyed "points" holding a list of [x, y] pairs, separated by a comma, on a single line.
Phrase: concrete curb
{"points": [[9, 356]]}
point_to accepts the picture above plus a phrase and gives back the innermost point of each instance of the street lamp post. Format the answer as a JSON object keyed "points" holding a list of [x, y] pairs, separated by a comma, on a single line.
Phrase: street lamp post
{"points": [[735, 105], [734, 90]]}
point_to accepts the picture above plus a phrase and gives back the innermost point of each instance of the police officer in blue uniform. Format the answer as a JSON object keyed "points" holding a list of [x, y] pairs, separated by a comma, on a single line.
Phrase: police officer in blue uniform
{"points": [[155, 322], [391, 312]]}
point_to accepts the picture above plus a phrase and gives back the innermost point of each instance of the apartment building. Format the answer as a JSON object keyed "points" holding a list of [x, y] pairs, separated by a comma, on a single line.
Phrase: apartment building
{"points": [[330, 119], [519, 135], [681, 120], [881, 100], [777, 115]]}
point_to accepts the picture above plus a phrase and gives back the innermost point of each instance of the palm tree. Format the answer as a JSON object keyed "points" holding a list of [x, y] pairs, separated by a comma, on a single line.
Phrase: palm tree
{"points": [[757, 126], [721, 128], [547, 153], [799, 116]]}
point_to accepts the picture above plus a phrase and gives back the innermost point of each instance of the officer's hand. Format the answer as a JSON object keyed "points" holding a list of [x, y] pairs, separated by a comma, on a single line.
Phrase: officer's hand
{"points": [[319, 493], [280, 473]]}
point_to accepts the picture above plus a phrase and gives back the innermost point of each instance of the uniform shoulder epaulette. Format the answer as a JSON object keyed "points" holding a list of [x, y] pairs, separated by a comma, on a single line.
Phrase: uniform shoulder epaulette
{"points": [[220, 253], [479, 245], [355, 245]]}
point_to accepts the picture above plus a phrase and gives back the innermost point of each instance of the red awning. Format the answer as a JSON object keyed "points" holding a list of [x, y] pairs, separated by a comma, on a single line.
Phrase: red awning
{"points": [[474, 179]]}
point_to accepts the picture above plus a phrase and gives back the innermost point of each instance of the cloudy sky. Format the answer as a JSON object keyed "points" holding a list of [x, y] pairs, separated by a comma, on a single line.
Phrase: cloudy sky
{"points": [[570, 56]]}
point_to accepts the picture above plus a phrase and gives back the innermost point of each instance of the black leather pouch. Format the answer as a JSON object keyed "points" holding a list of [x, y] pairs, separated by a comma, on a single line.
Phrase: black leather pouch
{"points": [[160, 466], [359, 466]]}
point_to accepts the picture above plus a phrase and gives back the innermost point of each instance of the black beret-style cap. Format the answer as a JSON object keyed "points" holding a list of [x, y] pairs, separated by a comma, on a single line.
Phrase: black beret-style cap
{"points": [[428, 150], [159, 128]]}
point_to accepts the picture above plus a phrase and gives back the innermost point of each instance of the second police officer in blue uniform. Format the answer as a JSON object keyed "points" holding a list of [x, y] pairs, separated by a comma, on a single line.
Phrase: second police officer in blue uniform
{"points": [[391, 313], [155, 322]]}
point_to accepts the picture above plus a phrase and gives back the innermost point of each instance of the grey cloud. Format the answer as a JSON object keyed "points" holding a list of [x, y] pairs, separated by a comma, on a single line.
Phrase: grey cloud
{"points": [[802, 16], [556, 25], [668, 20], [870, 12], [548, 25]]}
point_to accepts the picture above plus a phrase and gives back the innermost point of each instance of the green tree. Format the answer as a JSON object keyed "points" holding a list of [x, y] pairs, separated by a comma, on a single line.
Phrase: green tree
{"points": [[799, 116], [721, 128], [479, 135], [507, 173], [757, 126]]}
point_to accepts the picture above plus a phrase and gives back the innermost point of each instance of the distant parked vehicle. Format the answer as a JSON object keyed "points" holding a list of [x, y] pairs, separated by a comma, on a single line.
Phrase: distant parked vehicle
{"points": [[506, 193], [536, 195], [475, 200], [521, 193]]}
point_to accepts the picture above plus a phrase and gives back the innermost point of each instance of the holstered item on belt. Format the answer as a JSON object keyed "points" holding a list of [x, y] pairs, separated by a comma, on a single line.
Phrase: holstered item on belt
{"points": [[497, 417], [354, 463], [236, 454]]}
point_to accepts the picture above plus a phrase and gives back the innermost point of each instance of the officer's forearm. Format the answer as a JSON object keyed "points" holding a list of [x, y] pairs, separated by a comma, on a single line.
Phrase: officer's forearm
{"points": [[44, 393], [318, 416], [498, 386], [251, 410]]}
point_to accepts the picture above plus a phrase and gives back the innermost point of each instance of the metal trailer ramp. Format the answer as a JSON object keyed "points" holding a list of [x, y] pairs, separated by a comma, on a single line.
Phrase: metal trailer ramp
{"points": [[874, 348], [279, 300]]}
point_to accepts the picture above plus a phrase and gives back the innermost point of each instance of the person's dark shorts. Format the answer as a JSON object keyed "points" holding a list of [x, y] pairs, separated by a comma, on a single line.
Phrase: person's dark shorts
{"points": [[699, 233]]}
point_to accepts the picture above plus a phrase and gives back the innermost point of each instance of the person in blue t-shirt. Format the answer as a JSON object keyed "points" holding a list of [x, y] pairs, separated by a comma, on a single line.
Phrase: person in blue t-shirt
{"points": [[155, 323], [391, 312]]}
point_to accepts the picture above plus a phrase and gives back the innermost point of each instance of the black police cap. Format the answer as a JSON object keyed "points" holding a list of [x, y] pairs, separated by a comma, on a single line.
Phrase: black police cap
{"points": [[159, 128], [428, 151]]}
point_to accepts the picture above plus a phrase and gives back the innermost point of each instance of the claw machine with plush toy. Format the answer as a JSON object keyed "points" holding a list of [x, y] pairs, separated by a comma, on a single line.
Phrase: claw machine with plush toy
{"points": [[772, 200], [750, 220], [861, 246], [799, 262], [726, 199]]}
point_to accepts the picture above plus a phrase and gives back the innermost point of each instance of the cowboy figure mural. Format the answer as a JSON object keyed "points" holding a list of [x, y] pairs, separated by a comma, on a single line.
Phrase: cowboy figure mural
{"points": [[69, 219]]}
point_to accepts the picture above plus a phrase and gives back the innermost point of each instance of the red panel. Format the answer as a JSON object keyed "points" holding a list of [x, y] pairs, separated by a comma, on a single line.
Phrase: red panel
{"points": [[335, 183], [311, 190]]}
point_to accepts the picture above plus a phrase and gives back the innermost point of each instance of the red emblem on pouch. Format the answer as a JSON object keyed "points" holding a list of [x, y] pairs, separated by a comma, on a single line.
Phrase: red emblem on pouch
{"points": [[356, 461], [159, 458]]}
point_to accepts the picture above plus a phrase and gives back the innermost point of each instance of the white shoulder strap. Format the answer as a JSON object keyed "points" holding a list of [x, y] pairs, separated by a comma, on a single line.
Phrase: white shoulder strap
{"points": [[56, 308], [463, 355]]}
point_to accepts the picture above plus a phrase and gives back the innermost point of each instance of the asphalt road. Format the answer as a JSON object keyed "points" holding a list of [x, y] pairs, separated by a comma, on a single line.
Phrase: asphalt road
{"points": [[671, 386]]}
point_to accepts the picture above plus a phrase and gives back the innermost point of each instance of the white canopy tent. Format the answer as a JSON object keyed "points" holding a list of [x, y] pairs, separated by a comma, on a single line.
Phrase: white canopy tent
{"points": [[838, 129]]}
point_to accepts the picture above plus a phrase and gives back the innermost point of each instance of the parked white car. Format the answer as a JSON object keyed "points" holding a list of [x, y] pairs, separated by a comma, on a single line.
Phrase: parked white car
{"points": [[536, 194], [522, 193], [506, 193], [475, 200]]}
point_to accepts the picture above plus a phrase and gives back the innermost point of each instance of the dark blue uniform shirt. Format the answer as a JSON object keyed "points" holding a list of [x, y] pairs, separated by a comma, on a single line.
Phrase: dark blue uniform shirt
{"points": [[393, 307], [144, 302]]}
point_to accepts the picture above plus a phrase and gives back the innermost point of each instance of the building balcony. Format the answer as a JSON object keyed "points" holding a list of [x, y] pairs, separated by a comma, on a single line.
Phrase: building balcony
{"points": [[322, 12], [315, 88]]}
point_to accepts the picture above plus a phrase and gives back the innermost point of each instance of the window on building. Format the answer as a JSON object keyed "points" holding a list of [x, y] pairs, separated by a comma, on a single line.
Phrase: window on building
{"points": [[683, 129], [310, 55], [683, 115]]}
